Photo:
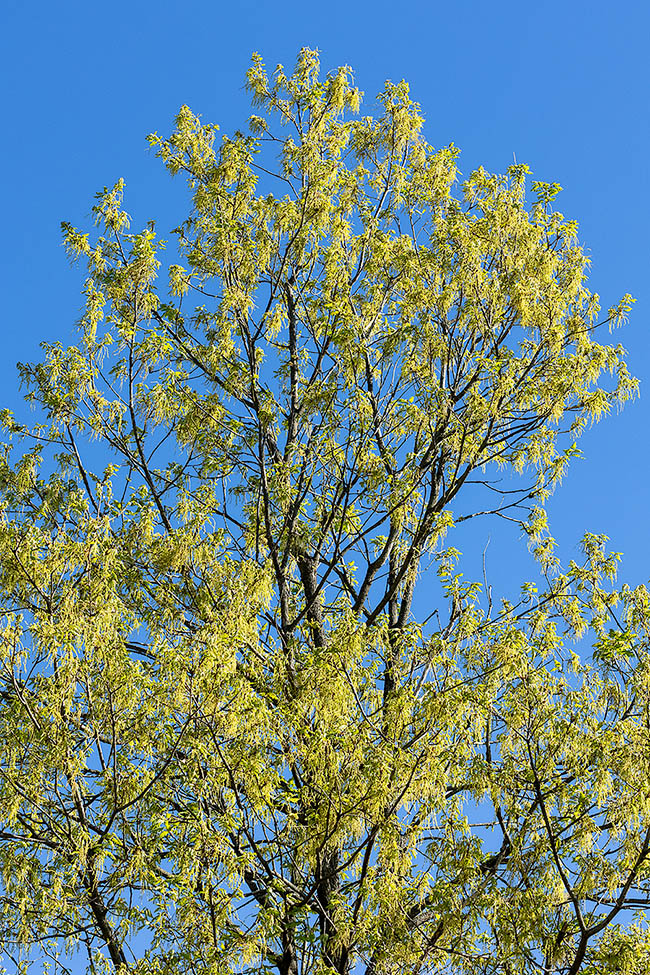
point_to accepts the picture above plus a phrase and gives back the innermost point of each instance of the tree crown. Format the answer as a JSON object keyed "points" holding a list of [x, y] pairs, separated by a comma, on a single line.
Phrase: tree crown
{"points": [[223, 724]]}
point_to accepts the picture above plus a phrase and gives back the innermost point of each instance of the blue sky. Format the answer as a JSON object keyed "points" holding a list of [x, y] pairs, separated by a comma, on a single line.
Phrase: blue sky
{"points": [[561, 85]]}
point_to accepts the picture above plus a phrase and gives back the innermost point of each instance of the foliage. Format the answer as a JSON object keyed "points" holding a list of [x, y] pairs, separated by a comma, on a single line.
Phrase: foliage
{"points": [[228, 743]]}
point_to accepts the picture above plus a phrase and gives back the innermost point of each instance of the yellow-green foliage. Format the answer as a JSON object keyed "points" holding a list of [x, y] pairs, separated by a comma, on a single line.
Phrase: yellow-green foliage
{"points": [[229, 743]]}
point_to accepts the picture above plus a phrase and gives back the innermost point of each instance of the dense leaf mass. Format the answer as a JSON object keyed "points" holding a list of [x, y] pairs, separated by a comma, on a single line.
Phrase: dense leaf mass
{"points": [[229, 744]]}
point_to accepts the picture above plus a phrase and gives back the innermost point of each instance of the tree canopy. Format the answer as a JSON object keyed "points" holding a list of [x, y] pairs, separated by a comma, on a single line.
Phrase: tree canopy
{"points": [[230, 744]]}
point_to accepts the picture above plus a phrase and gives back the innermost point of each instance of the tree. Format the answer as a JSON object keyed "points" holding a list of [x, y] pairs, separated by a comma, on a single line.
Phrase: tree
{"points": [[229, 741]]}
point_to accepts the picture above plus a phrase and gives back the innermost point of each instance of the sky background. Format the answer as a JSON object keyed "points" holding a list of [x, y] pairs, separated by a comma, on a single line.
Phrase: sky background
{"points": [[561, 85]]}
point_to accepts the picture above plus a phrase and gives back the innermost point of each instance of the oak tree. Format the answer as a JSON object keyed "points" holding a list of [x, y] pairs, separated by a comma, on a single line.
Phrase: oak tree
{"points": [[232, 739]]}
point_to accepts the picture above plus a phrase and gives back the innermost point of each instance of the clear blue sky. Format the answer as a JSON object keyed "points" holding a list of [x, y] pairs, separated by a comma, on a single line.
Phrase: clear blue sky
{"points": [[562, 85]]}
